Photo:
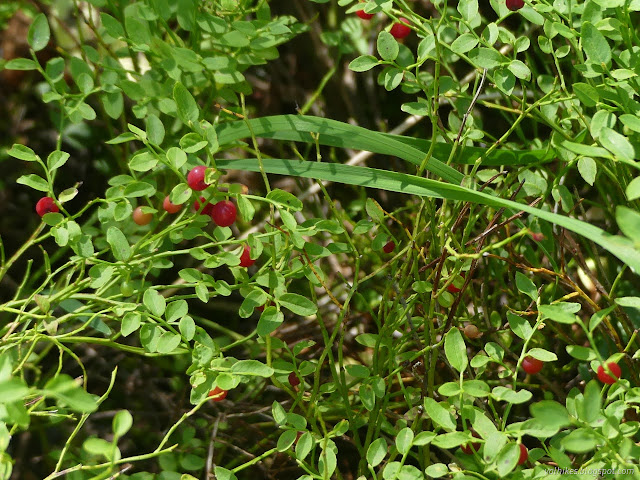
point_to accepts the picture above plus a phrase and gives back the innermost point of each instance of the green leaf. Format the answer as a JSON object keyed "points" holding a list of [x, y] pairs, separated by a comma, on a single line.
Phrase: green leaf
{"points": [[298, 304], [22, 152], [21, 64], [468, 9], [587, 94], [456, 350], [270, 319], [34, 181], [253, 368], [581, 440], [595, 45], [376, 452], [557, 314], [464, 43], [588, 408], [551, 414], [57, 159], [628, 221], [542, 354], [526, 286], [119, 244], [440, 415], [633, 189], [520, 326], [168, 342], [12, 389], [286, 199], [187, 328], [507, 459], [155, 129], [130, 323], [388, 48], [363, 63], [122, 422], [176, 310], [187, 107], [39, 33], [404, 440], [155, 302], [617, 144], [588, 169]]}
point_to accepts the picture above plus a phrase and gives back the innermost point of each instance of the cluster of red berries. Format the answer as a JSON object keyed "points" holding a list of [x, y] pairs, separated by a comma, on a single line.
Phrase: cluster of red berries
{"points": [[223, 213], [399, 30]]}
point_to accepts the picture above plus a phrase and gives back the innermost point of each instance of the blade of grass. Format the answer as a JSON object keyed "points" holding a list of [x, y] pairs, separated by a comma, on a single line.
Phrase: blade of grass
{"points": [[619, 246]]}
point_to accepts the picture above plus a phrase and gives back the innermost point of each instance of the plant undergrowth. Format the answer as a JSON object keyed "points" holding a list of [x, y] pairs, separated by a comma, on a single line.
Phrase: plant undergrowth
{"points": [[452, 296]]}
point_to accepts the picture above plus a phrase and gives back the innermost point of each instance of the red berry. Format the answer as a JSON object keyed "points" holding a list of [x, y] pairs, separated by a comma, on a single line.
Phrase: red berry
{"points": [[170, 207], [245, 259], [195, 178], [472, 447], [206, 210], [400, 30], [524, 454], [604, 377], [224, 213], [217, 394], [389, 247], [142, 218], [514, 5], [532, 365], [46, 205], [294, 381], [363, 15], [452, 288]]}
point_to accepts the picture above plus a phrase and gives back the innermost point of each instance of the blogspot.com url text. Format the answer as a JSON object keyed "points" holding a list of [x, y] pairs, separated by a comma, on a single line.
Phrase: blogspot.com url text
{"points": [[597, 472]]}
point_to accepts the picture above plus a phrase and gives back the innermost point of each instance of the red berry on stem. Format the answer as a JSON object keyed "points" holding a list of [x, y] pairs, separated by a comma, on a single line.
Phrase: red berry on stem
{"points": [[142, 218], [363, 15], [170, 207], [389, 247], [245, 258], [604, 377], [524, 454], [532, 365], [514, 5], [217, 394], [294, 381], [206, 210], [400, 30], [46, 205], [224, 213], [195, 178]]}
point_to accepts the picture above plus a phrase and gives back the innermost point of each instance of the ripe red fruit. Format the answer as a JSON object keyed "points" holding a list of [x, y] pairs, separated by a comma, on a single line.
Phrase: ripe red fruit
{"points": [[245, 259], [472, 447], [217, 394], [142, 218], [46, 205], [195, 178], [170, 207], [400, 30], [604, 377], [514, 5], [532, 365], [294, 381], [224, 213], [389, 247], [524, 454], [363, 15], [206, 210]]}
